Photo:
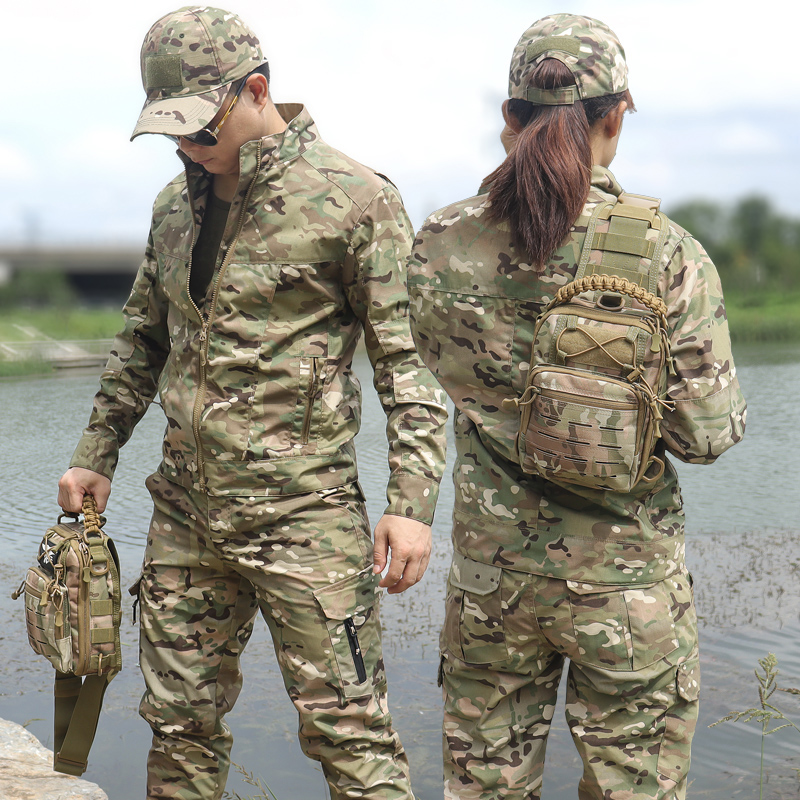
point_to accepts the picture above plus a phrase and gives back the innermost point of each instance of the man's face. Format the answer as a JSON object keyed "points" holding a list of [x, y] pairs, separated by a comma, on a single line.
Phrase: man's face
{"points": [[237, 129]]}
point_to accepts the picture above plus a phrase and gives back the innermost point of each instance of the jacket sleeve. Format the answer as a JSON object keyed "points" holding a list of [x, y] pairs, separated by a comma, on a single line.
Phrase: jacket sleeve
{"points": [[130, 379], [415, 405], [706, 413]]}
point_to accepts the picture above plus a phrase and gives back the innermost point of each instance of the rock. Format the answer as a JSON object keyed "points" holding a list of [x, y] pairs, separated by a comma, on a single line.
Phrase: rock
{"points": [[26, 770]]}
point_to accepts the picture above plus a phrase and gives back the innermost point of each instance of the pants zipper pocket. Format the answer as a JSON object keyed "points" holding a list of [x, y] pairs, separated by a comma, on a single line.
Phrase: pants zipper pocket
{"points": [[355, 649]]}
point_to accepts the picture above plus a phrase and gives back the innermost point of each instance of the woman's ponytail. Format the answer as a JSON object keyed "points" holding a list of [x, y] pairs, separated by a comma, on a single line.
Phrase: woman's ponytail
{"points": [[542, 186]]}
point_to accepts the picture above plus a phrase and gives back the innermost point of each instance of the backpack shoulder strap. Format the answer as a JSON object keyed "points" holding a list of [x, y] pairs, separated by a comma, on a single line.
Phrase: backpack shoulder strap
{"points": [[625, 249]]}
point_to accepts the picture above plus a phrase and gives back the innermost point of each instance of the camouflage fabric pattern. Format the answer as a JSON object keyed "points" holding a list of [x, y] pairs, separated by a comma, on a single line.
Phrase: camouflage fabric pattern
{"points": [[474, 305], [592, 52], [257, 386], [304, 562], [73, 619], [632, 687], [583, 430], [188, 60]]}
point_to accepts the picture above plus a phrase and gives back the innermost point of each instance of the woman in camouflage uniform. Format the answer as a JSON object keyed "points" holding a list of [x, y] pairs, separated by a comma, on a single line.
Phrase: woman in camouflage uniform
{"points": [[547, 570]]}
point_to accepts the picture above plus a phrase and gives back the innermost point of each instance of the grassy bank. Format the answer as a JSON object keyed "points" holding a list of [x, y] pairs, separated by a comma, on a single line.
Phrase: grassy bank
{"points": [[764, 317], [53, 323], [56, 323], [753, 318]]}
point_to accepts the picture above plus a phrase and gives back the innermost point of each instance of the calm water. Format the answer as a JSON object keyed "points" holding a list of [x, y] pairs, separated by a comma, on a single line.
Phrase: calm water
{"points": [[744, 549]]}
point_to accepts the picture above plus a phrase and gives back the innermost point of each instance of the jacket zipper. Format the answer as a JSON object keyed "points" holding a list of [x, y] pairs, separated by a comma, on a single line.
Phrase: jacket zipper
{"points": [[355, 649], [313, 385], [208, 321]]}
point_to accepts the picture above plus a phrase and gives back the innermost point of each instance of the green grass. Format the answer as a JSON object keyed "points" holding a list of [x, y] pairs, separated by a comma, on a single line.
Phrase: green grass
{"points": [[61, 323], [21, 369], [764, 317], [55, 323]]}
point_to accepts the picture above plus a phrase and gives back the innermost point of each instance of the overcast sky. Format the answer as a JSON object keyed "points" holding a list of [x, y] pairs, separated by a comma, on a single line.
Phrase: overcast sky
{"points": [[411, 88]]}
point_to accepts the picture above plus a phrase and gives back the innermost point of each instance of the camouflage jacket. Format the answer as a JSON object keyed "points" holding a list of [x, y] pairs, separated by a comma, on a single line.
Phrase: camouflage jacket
{"points": [[257, 386], [474, 303]]}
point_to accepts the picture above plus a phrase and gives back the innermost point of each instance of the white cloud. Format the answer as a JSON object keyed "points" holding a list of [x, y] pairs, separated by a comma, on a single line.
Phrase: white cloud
{"points": [[748, 139], [16, 165]]}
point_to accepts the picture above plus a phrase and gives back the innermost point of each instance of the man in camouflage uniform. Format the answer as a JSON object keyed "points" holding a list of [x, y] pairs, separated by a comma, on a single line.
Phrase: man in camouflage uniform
{"points": [[266, 260], [542, 571]]}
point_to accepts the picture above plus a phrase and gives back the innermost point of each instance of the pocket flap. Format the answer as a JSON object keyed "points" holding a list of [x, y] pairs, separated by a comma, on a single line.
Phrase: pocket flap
{"points": [[474, 576], [688, 680], [581, 587], [350, 597]]}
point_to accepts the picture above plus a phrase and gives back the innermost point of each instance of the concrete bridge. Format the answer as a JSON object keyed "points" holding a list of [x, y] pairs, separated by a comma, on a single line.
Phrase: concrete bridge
{"points": [[96, 273]]}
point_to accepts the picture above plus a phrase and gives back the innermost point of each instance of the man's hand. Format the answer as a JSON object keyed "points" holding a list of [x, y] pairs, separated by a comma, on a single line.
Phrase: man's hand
{"points": [[77, 482], [410, 543]]}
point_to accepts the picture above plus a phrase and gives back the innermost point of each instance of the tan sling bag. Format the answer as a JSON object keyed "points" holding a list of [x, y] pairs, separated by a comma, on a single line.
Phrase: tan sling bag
{"points": [[73, 614]]}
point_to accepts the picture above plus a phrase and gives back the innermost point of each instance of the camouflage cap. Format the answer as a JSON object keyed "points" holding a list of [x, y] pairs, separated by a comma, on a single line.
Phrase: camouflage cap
{"points": [[189, 58], [587, 46]]}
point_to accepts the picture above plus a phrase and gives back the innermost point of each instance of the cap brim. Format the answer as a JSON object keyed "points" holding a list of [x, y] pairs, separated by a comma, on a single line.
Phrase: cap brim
{"points": [[178, 116]]}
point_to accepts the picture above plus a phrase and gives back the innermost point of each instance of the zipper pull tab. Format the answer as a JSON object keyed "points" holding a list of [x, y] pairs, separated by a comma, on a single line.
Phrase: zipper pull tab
{"points": [[203, 341]]}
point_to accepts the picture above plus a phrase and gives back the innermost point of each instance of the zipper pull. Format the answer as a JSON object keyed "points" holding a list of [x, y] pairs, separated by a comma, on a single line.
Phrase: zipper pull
{"points": [[18, 593], [203, 340]]}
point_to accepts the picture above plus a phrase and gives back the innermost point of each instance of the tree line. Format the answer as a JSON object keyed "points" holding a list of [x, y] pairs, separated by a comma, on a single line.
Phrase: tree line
{"points": [[755, 247]]}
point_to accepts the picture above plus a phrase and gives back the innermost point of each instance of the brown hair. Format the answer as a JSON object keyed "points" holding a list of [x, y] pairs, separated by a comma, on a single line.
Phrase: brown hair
{"points": [[541, 187]]}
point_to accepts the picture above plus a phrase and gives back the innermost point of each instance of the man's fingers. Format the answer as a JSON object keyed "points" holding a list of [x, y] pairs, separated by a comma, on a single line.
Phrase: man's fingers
{"points": [[76, 482], [380, 547], [397, 568]]}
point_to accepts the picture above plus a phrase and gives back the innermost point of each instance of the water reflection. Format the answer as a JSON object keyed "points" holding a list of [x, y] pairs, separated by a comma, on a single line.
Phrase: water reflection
{"points": [[744, 551]]}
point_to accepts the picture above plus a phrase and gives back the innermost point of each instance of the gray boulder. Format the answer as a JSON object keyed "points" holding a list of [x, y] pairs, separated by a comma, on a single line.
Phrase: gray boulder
{"points": [[26, 770]]}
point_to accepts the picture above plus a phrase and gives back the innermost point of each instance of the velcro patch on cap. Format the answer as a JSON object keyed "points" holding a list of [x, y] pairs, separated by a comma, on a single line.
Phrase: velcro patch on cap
{"points": [[162, 72], [565, 44]]}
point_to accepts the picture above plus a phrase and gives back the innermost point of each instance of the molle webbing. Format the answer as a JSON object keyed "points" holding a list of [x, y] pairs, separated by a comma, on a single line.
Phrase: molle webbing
{"points": [[625, 245]]}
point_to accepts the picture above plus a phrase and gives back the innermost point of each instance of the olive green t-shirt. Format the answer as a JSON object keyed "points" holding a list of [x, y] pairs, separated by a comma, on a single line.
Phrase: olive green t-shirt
{"points": [[206, 248]]}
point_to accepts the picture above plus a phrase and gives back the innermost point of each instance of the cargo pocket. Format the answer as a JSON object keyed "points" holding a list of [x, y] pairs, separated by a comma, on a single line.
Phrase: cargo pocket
{"points": [[351, 614], [680, 719], [621, 628], [601, 626], [473, 626]]}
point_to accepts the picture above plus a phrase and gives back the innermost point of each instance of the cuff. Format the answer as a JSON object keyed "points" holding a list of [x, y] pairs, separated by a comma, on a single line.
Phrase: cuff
{"points": [[97, 454], [412, 496]]}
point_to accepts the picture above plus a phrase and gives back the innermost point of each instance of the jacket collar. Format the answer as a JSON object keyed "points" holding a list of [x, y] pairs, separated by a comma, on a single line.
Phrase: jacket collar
{"points": [[604, 180], [258, 156]]}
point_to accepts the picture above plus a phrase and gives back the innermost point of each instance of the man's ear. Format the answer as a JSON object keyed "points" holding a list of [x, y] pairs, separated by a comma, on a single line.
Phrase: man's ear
{"points": [[511, 119], [257, 90]]}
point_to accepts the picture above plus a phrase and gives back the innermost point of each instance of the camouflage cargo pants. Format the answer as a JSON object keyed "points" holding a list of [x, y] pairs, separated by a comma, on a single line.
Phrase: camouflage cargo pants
{"points": [[632, 685], [305, 561]]}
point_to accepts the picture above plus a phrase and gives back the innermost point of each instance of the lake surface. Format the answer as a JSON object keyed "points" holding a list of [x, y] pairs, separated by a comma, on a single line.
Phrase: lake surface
{"points": [[743, 526]]}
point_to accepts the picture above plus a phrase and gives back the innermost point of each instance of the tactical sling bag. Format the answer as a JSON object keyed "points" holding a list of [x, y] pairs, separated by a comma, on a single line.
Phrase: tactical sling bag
{"points": [[596, 382], [73, 615]]}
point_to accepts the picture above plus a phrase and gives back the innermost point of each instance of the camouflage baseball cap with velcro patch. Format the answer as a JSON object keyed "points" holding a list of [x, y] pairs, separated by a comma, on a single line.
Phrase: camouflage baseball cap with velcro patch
{"points": [[189, 59], [587, 46]]}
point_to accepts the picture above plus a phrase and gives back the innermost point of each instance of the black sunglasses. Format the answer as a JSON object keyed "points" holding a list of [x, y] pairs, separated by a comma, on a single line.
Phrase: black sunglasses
{"points": [[205, 137]]}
